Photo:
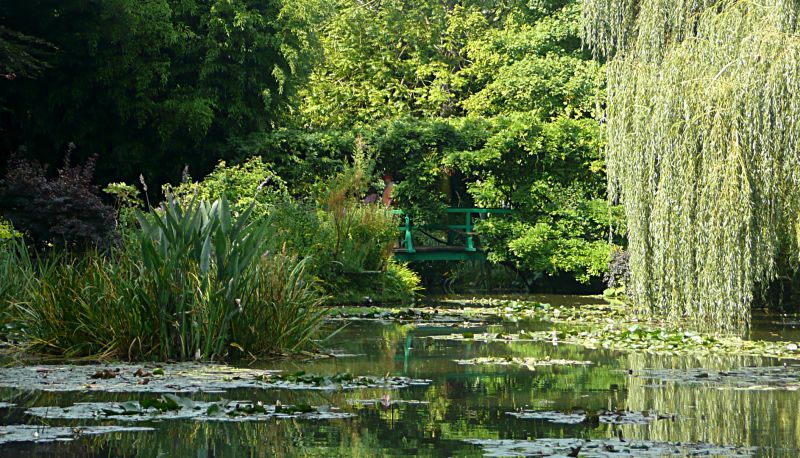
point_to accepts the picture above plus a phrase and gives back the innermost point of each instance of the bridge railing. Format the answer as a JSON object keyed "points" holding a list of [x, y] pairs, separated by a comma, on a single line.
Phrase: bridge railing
{"points": [[407, 227]]}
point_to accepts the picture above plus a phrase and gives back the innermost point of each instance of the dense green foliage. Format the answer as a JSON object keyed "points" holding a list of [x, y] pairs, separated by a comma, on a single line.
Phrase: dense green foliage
{"points": [[463, 104], [703, 137], [195, 279], [478, 104], [433, 59], [252, 183], [21, 55], [152, 85], [347, 242]]}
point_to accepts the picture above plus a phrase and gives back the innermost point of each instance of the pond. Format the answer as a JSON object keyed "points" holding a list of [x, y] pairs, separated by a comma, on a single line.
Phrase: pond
{"points": [[413, 393]]}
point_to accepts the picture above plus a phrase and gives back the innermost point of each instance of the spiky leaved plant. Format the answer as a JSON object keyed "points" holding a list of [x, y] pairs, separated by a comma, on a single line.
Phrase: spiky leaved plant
{"points": [[198, 258]]}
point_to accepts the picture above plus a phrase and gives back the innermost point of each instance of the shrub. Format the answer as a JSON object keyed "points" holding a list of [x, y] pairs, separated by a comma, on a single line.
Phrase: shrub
{"points": [[64, 210], [7, 231], [342, 235], [252, 182], [127, 202], [358, 234], [80, 305], [284, 308], [401, 282]]}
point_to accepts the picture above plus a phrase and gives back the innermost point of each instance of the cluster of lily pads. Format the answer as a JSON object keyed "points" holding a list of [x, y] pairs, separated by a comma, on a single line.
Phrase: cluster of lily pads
{"points": [[433, 315], [567, 447], [638, 337], [46, 433], [528, 362], [614, 326], [182, 378], [173, 407], [161, 386], [768, 378], [343, 380], [613, 417]]}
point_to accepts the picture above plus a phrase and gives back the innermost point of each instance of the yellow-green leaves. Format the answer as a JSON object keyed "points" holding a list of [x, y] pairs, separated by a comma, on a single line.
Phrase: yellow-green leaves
{"points": [[703, 132]]}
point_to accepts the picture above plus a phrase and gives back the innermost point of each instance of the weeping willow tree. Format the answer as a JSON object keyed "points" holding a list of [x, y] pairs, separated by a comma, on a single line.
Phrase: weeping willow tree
{"points": [[703, 131]]}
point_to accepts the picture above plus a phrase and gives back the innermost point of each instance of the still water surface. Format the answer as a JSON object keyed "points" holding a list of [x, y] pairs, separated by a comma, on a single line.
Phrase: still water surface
{"points": [[461, 404]]}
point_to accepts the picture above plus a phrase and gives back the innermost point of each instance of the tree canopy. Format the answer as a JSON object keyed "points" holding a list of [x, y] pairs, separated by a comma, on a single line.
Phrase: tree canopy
{"points": [[463, 102], [476, 103], [152, 85]]}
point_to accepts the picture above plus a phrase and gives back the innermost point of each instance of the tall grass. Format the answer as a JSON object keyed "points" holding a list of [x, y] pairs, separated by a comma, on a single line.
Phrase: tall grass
{"points": [[283, 307], [16, 278], [78, 305], [196, 284]]}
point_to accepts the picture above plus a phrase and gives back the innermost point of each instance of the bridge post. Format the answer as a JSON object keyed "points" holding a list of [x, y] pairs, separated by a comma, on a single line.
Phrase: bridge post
{"points": [[468, 230], [409, 240]]}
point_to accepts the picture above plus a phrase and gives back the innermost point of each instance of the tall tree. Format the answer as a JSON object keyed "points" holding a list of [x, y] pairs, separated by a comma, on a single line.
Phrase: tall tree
{"points": [[703, 148], [496, 97], [389, 58], [151, 85]]}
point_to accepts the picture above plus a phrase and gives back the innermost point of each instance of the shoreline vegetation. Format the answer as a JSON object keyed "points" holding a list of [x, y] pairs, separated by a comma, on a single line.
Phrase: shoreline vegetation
{"points": [[202, 277], [300, 165]]}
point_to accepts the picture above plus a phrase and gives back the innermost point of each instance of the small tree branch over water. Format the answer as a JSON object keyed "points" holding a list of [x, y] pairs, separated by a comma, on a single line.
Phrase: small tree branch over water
{"points": [[702, 126]]}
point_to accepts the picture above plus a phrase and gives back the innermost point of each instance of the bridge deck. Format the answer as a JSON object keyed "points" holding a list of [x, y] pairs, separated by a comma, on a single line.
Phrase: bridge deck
{"points": [[439, 253]]}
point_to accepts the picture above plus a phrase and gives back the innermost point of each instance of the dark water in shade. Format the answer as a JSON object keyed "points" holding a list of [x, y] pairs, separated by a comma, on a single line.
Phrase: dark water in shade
{"points": [[462, 402]]}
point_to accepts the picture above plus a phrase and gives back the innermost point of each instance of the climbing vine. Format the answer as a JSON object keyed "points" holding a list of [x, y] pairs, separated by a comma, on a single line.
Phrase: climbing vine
{"points": [[703, 131]]}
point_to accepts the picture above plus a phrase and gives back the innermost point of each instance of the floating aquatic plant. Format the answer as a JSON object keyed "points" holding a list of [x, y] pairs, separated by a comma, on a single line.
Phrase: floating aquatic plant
{"points": [[184, 378], [44, 433], [530, 363], [604, 448], [613, 417], [171, 407], [745, 378]]}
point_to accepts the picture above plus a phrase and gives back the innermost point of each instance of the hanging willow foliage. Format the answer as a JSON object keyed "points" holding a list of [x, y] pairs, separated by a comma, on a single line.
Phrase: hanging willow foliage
{"points": [[703, 131]]}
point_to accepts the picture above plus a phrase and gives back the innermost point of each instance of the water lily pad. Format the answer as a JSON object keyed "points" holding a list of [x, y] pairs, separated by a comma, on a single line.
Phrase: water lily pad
{"points": [[185, 409], [624, 417], [495, 337], [603, 448], [387, 403], [432, 315], [617, 417], [305, 381], [182, 378], [530, 363], [42, 433], [168, 378], [745, 378], [551, 416]]}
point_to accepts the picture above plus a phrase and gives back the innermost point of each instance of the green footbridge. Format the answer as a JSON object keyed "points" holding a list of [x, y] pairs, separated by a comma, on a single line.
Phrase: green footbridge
{"points": [[457, 241]]}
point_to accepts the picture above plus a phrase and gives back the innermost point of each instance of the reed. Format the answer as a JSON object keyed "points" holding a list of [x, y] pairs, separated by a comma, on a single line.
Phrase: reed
{"points": [[196, 284]]}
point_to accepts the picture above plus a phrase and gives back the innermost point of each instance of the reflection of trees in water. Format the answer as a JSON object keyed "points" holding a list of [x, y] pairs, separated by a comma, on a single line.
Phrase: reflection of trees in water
{"points": [[710, 414], [283, 438], [464, 402]]}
